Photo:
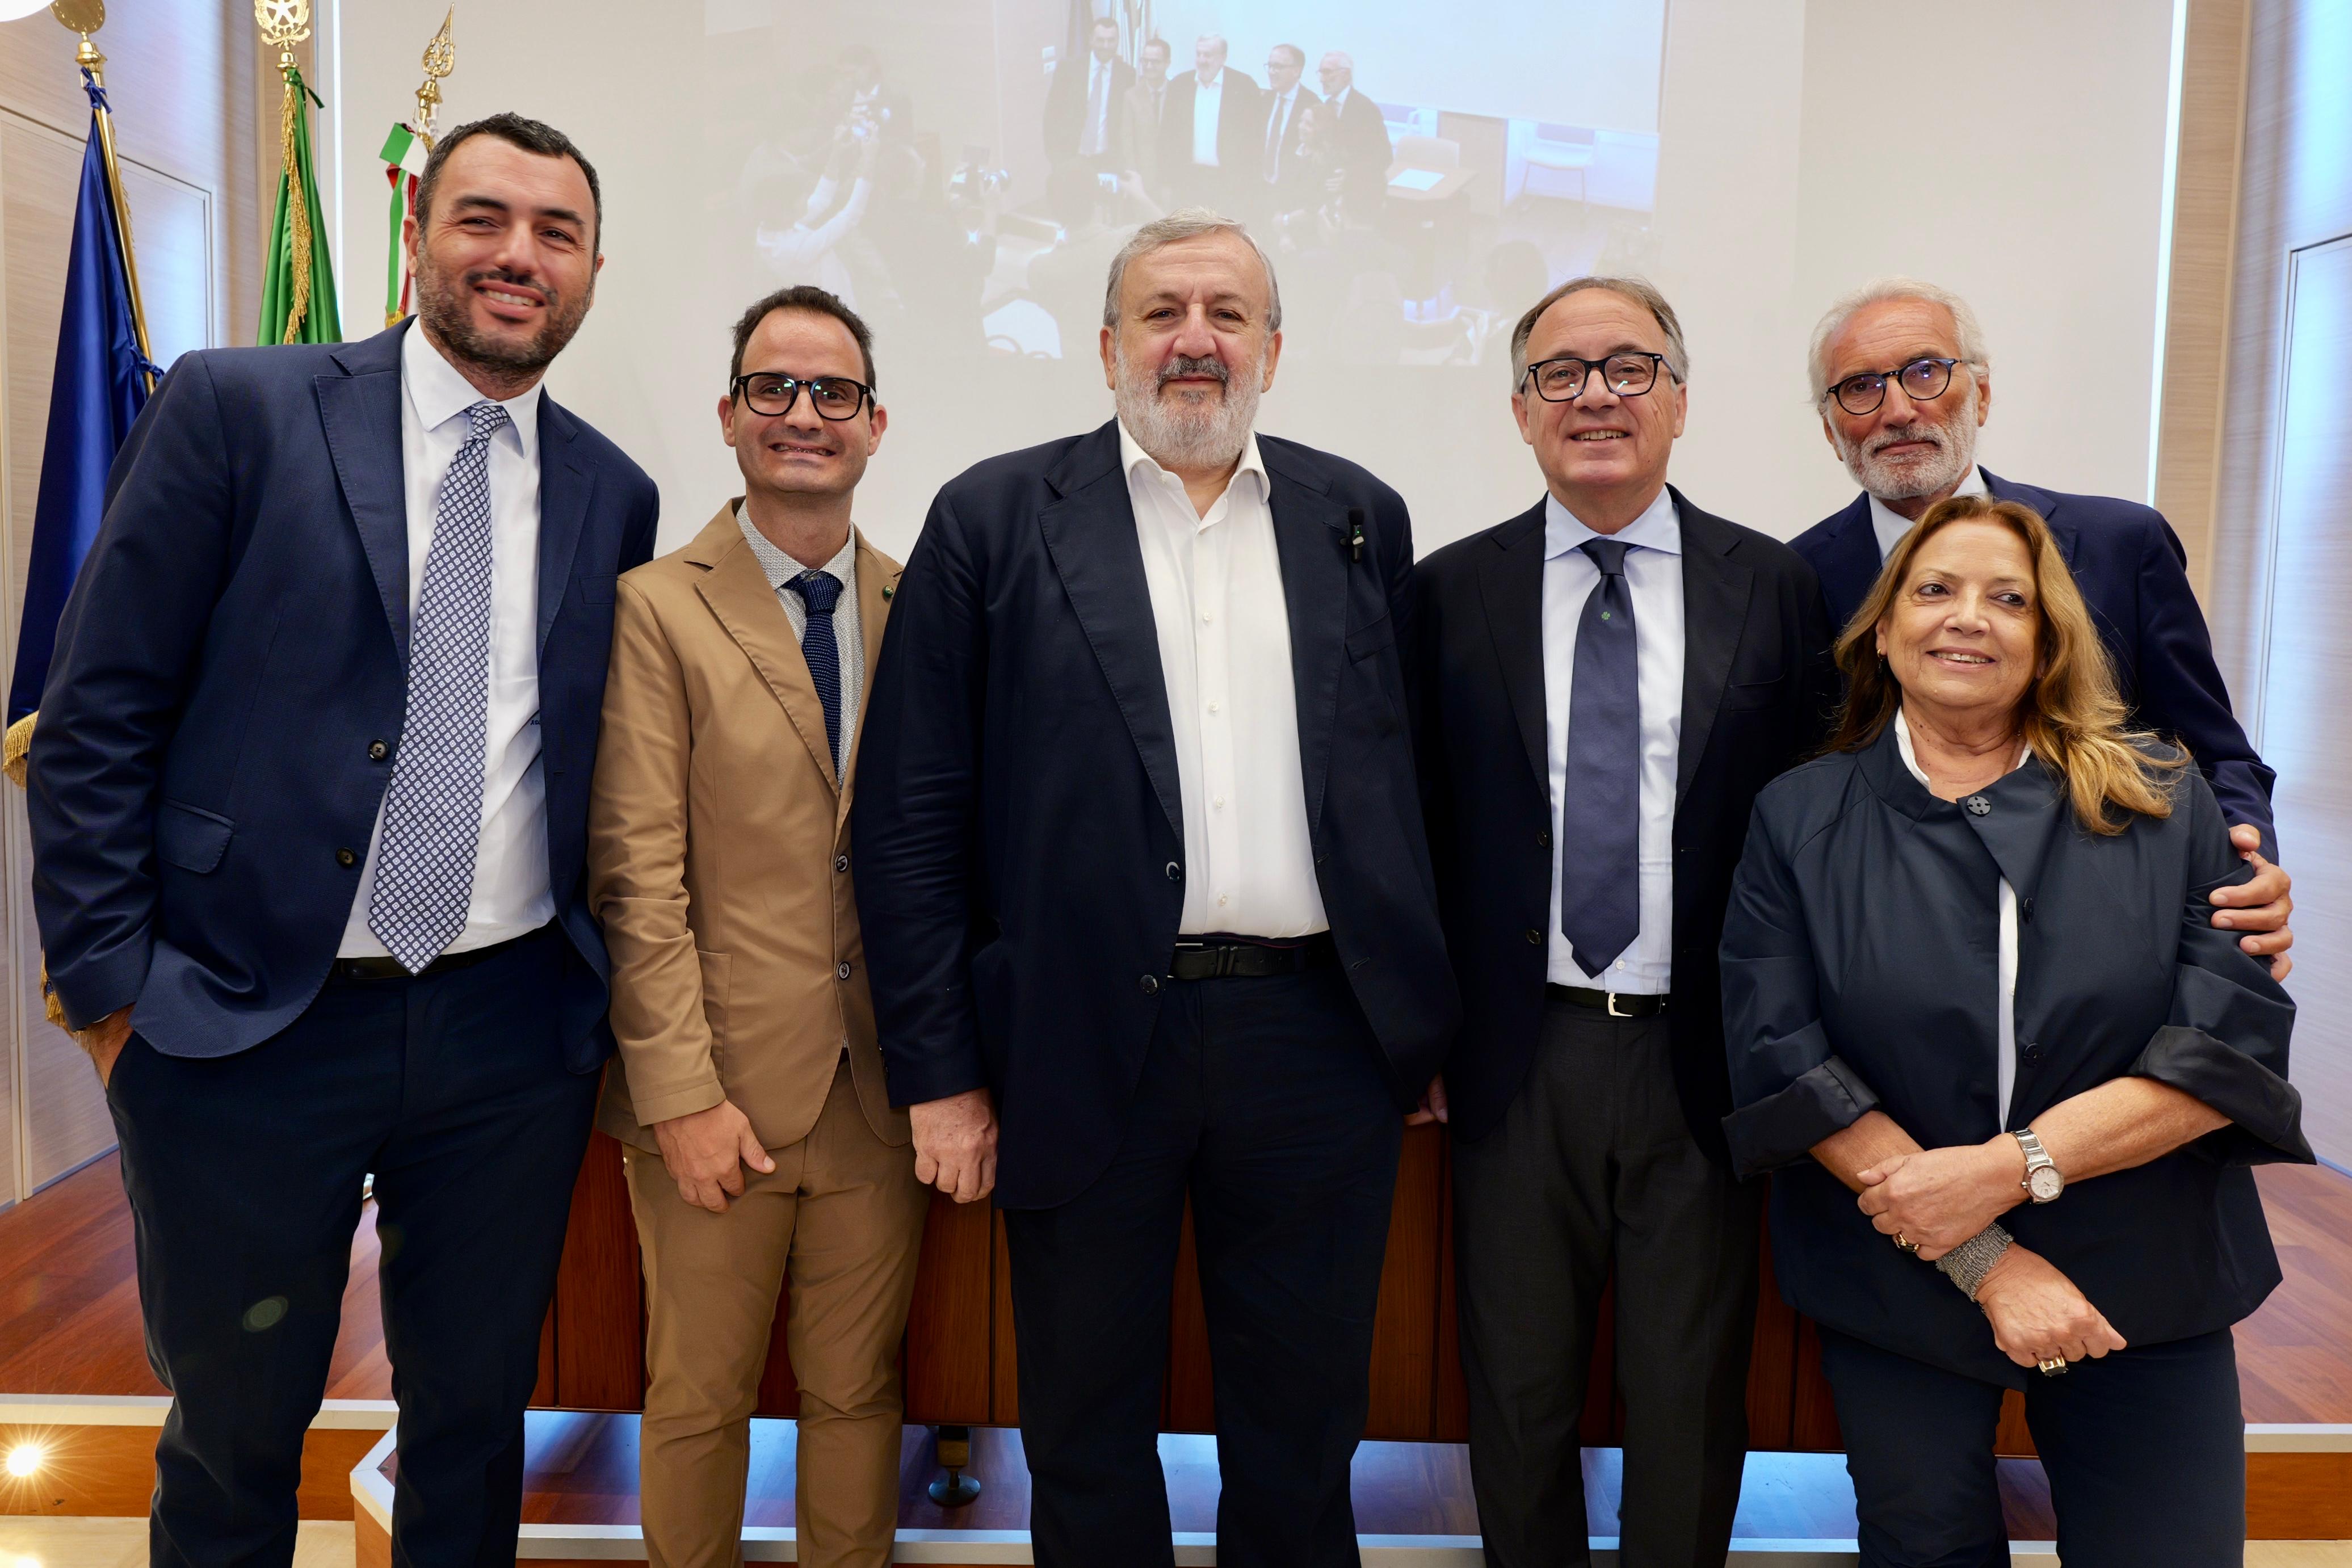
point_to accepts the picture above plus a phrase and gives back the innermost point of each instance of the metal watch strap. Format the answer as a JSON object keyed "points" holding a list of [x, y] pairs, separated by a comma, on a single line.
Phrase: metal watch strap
{"points": [[1967, 1264], [2037, 1158]]}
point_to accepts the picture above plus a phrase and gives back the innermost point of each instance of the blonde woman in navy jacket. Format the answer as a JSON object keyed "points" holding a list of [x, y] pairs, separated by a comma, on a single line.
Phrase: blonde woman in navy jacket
{"points": [[2009, 1076]]}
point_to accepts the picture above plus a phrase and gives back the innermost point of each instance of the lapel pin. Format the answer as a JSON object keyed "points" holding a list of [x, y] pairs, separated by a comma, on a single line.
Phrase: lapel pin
{"points": [[888, 591], [1355, 535]]}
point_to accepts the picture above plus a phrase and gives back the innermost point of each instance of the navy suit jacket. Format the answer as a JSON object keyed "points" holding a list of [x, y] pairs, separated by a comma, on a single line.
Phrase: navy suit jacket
{"points": [[2132, 570], [235, 645], [1018, 833]]}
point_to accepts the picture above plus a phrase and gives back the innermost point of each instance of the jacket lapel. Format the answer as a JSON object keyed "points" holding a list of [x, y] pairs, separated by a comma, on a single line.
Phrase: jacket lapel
{"points": [[878, 580], [1716, 587], [1310, 530], [737, 593], [1510, 586], [1849, 565], [360, 411], [565, 487], [2044, 502], [1089, 531]]}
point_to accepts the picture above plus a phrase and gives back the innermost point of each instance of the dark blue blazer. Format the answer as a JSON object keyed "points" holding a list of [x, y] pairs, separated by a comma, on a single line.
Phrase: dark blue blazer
{"points": [[1018, 834], [2132, 570], [236, 643]]}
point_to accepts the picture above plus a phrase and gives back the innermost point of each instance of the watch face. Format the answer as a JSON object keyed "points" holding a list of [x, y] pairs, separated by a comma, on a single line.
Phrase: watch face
{"points": [[2046, 1184]]}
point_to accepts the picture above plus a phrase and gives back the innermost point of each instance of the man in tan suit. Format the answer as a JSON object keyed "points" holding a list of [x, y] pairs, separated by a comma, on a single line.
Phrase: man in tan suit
{"points": [[761, 1140], [1139, 127]]}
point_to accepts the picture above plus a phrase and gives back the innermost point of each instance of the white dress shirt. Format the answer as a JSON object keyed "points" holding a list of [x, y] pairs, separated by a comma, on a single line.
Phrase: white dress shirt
{"points": [[1890, 525], [512, 897], [2005, 1048], [1095, 139], [1653, 576], [1224, 652], [848, 637], [1206, 102]]}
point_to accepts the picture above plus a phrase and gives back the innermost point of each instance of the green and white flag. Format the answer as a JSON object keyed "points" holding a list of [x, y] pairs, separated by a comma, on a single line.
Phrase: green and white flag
{"points": [[297, 284], [405, 152]]}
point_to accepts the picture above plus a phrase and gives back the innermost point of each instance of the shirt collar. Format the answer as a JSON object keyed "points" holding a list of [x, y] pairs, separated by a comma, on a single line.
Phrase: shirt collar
{"points": [[439, 394], [1130, 453], [780, 567], [1890, 525], [1911, 757], [1659, 527]]}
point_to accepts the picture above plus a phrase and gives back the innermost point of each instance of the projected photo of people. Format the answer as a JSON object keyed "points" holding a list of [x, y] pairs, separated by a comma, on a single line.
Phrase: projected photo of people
{"points": [[964, 173]]}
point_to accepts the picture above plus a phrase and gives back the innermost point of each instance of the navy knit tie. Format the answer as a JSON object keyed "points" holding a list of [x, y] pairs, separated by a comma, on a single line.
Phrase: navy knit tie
{"points": [[1600, 812], [820, 591]]}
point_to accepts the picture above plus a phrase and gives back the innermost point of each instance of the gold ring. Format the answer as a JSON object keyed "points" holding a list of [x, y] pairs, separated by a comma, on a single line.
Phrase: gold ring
{"points": [[2053, 1366], [1906, 1243]]}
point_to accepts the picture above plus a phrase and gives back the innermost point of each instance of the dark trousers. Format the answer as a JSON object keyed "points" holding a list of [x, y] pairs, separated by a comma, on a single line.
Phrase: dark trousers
{"points": [[2146, 1452], [1594, 1164], [244, 1176], [1268, 1102]]}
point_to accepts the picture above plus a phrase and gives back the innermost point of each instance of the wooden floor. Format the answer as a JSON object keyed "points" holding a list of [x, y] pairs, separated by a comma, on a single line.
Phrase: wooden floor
{"points": [[69, 1300]]}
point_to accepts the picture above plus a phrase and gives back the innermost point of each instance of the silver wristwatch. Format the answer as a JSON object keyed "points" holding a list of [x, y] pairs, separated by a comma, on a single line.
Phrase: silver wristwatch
{"points": [[1967, 1264], [2043, 1180]]}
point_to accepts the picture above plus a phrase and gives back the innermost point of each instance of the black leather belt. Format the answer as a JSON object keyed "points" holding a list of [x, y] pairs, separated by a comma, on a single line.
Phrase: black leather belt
{"points": [[388, 968], [1616, 1004], [1219, 958]]}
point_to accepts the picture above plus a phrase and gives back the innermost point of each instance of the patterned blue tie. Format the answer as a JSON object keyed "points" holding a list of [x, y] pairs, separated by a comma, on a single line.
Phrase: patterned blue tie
{"points": [[432, 811], [1600, 812], [820, 591]]}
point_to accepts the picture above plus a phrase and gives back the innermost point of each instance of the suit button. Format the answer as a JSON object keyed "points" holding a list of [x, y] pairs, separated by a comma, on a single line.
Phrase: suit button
{"points": [[2030, 1051], [345, 857], [840, 863], [842, 972], [1175, 871], [1535, 937], [378, 751], [1150, 985], [1543, 837], [1977, 805]]}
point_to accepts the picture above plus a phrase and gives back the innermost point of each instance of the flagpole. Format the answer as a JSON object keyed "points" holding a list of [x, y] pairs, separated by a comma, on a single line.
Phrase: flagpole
{"points": [[87, 16]]}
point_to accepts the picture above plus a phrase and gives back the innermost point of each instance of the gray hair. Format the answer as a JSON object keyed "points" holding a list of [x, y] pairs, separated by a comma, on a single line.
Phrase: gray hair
{"points": [[1638, 290], [1834, 320], [1183, 224]]}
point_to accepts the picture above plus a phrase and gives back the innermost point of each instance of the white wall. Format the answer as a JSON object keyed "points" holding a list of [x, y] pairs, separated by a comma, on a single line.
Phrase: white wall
{"points": [[2010, 149]]}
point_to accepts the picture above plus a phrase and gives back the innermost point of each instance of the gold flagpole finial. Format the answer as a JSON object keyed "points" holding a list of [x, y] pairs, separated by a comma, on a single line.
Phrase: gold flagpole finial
{"points": [[440, 59], [83, 16], [283, 23]]}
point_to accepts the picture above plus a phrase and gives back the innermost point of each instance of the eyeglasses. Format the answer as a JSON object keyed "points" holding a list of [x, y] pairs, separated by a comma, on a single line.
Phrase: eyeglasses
{"points": [[1924, 380], [833, 397], [1627, 375]]}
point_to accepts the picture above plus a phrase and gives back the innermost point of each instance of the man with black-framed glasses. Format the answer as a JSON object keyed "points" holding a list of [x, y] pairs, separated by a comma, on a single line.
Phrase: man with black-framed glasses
{"points": [[760, 1142], [1610, 677], [1903, 381]]}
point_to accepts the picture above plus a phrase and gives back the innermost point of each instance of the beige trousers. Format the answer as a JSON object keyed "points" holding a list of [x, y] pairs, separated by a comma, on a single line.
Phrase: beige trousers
{"points": [[842, 1213]]}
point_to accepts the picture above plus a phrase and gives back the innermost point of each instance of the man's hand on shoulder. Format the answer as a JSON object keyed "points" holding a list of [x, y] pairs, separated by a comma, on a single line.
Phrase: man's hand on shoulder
{"points": [[2259, 907], [706, 1151], [955, 1144], [104, 1041]]}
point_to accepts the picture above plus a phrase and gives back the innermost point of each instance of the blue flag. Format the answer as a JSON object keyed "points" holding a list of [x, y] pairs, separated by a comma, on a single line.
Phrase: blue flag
{"points": [[99, 390]]}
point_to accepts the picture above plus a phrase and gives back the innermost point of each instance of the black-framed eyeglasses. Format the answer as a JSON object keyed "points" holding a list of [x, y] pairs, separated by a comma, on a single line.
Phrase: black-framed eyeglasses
{"points": [[772, 393], [1627, 374], [1924, 380]]}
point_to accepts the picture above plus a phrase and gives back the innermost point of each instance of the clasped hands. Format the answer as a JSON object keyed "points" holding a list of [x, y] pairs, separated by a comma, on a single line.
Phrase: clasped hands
{"points": [[1940, 1198]]}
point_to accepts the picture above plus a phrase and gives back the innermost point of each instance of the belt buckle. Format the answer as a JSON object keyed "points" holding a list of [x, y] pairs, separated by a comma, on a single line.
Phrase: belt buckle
{"points": [[1611, 999]]}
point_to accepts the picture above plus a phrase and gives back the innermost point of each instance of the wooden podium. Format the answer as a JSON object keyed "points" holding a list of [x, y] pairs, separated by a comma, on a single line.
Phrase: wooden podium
{"points": [[958, 1357]]}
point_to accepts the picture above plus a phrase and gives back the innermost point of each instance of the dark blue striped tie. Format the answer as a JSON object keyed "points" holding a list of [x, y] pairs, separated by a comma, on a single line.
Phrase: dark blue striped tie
{"points": [[1601, 807], [820, 591]]}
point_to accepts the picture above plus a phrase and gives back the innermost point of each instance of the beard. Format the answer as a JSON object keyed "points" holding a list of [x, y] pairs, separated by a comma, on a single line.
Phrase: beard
{"points": [[1190, 430], [1904, 479], [441, 304]]}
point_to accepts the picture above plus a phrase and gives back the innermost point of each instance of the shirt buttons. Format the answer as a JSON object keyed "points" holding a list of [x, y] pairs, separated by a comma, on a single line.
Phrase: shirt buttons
{"points": [[1222, 900], [1977, 805], [842, 972], [1212, 707], [1206, 617]]}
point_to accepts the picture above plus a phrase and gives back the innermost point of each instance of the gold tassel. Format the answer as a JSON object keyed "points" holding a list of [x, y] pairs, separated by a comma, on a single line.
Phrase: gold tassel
{"points": [[17, 749], [299, 210]]}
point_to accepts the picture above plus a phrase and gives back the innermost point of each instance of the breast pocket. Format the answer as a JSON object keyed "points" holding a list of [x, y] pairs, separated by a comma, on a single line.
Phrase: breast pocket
{"points": [[1366, 642], [1749, 695], [595, 588], [192, 838]]}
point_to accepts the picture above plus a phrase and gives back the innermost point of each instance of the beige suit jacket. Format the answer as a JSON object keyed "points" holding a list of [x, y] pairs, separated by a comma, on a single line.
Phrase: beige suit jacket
{"points": [[718, 853]]}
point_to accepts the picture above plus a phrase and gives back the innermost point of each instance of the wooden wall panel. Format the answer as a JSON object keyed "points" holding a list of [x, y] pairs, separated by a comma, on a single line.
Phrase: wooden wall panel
{"points": [[949, 1328], [600, 1337]]}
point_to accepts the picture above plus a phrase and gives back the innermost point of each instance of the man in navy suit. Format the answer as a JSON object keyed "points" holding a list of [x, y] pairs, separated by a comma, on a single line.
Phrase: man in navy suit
{"points": [[1142, 871], [1903, 380], [308, 803]]}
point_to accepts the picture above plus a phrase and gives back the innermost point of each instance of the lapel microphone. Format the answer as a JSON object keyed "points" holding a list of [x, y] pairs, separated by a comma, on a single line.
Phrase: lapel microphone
{"points": [[1355, 535]]}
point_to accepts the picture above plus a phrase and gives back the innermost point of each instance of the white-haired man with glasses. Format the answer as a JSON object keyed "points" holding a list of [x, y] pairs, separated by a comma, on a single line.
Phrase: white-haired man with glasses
{"points": [[1610, 678], [1903, 381], [760, 1142]]}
